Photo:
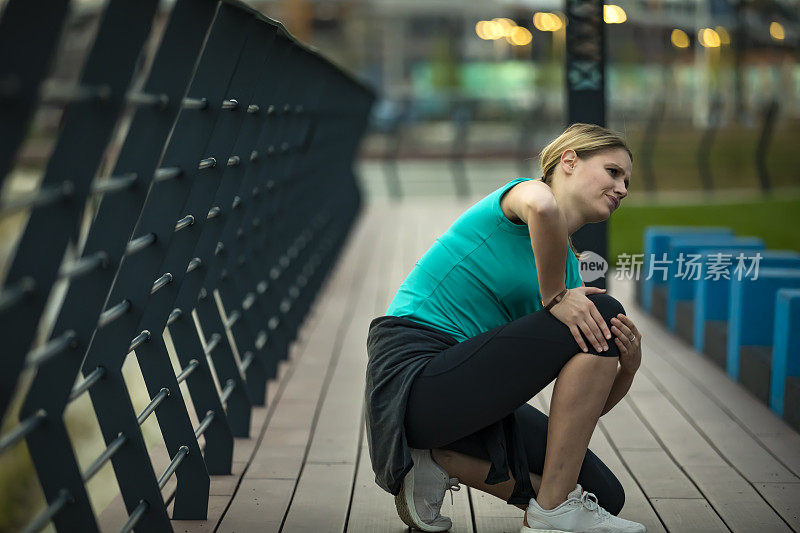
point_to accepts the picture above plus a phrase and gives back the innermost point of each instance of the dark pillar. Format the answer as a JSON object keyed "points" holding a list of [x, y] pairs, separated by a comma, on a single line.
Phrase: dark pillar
{"points": [[586, 96]]}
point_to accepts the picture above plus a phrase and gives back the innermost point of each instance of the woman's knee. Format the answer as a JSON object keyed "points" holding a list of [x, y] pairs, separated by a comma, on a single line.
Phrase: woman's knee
{"points": [[607, 305]]}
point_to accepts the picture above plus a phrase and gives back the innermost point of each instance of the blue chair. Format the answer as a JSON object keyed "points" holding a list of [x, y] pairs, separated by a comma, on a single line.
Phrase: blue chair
{"points": [[751, 324], [664, 266], [785, 375], [656, 243], [712, 298], [680, 288]]}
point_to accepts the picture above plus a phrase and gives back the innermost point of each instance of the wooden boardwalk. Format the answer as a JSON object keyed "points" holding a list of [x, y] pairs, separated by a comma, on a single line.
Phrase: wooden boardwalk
{"points": [[694, 451]]}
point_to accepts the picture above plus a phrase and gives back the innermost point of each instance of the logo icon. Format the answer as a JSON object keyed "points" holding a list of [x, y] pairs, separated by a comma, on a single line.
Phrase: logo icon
{"points": [[593, 266]]}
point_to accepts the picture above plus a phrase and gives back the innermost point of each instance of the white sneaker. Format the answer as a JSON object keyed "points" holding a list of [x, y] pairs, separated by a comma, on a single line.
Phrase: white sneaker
{"points": [[580, 512], [422, 493]]}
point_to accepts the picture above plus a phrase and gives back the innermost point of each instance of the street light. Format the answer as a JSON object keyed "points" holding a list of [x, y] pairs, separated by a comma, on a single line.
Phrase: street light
{"points": [[547, 22], [613, 14], [708, 38], [776, 31], [519, 36], [679, 38]]}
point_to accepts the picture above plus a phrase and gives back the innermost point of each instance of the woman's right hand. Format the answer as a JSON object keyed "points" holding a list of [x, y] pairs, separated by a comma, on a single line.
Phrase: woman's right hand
{"points": [[580, 314]]}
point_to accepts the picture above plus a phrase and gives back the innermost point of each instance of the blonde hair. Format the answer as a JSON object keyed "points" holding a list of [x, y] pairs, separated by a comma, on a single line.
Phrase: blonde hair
{"points": [[585, 140]]}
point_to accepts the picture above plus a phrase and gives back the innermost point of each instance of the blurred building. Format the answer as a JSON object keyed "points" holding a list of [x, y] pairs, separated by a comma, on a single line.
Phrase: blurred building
{"points": [[481, 78]]}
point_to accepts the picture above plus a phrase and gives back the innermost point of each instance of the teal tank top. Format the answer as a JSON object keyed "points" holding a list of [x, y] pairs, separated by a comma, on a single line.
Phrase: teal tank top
{"points": [[478, 275]]}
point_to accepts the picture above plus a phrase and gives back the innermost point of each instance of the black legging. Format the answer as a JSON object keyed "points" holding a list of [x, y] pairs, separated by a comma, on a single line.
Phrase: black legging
{"points": [[482, 379]]}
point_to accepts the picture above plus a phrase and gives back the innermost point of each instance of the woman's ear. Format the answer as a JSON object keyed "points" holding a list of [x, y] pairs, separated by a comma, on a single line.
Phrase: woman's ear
{"points": [[568, 160]]}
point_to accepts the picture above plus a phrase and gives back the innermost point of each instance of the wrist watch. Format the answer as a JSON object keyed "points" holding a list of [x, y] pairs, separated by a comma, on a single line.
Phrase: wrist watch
{"points": [[558, 297]]}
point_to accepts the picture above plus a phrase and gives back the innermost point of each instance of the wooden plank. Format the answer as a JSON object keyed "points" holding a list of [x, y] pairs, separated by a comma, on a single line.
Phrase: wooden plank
{"points": [[459, 510], [737, 503], [226, 485], [243, 448], [785, 499], [780, 439], [718, 443], [688, 515], [321, 500], [493, 514], [731, 440], [216, 506], [658, 475], [259, 505], [734, 442], [278, 459], [626, 430], [337, 429], [372, 508], [280, 454], [335, 439]]}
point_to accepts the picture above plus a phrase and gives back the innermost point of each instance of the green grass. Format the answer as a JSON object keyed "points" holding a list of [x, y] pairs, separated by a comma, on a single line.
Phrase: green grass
{"points": [[732, 157], [775, 220]]}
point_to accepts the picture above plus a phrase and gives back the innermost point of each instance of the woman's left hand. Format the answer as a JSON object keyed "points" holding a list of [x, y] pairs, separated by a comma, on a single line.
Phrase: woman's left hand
{"points": [[629, 341]]}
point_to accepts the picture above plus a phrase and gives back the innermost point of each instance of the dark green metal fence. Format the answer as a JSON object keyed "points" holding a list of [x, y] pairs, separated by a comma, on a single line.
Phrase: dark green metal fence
{"points": [[233, 184]]}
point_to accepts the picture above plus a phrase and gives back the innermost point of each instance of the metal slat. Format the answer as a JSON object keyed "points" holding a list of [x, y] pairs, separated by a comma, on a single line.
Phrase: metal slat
{"points": [[114, 184], [33, 26], [171, 70], [144, 336], [183, 451], [41, 198], [155, 402], [186, 372], [51, 349], [226, 392], [210, 244], [204, 424], [43, 518], [21, 431], [140, 243], [107, 454], [84, 265], [135, 516], [166, 202], [83, 135], [95, 376]]}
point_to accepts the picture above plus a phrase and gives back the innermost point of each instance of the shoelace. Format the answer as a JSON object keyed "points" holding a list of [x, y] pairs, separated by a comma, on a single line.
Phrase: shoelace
{"points": [[452, 484], [589, 500]]}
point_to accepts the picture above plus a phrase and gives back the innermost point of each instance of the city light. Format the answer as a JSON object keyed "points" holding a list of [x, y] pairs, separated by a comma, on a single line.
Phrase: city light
{"points": [[506, 25], [708, 38], [679, 38], [724, 36], [519, 36], [489, 30], [613, 14], [547, 22], [776, 30]]}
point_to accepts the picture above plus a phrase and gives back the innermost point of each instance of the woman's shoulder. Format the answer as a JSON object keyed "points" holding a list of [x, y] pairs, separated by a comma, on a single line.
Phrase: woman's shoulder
{"points": [[520, 196]]}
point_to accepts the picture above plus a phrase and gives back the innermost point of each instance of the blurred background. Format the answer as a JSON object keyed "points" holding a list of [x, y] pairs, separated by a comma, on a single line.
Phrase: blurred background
{"points": [[706, 92]]}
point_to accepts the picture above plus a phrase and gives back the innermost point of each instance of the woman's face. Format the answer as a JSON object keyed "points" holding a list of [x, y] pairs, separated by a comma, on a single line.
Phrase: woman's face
{"points": [[601, 182]]}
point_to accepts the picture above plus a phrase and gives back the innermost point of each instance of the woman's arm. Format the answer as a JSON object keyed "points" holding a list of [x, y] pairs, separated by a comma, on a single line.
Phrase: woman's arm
{"points": [[534, 204]]}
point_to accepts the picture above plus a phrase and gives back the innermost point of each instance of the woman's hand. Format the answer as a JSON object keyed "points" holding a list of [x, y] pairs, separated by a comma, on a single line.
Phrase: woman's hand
{"points": [[629, 341], [580, 314]]}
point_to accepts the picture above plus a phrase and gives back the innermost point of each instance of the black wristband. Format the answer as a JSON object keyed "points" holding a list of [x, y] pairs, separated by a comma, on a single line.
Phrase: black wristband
{"points": [[555, 300]]}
